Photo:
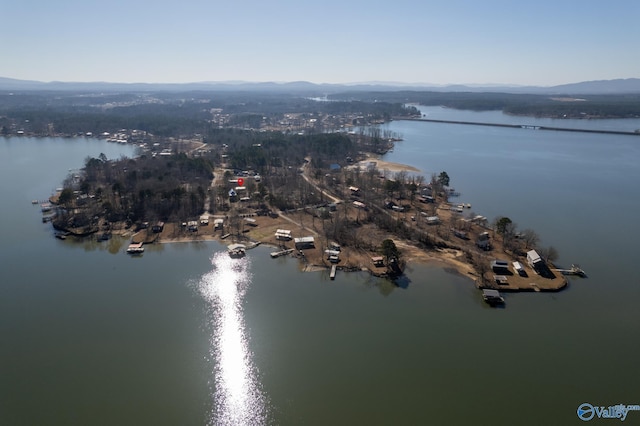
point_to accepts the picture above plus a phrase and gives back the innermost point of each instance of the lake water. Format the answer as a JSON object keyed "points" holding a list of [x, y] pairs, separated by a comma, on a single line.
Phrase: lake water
{"points": [[185, 335]]}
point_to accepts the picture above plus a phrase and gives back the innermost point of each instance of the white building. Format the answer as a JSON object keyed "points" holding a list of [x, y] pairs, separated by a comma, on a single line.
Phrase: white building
{"points": [[283, 235], [304, 243], [534, 259]]}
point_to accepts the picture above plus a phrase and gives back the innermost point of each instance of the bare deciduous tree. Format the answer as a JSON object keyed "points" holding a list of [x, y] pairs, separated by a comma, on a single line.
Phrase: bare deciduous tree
{"points": [[530, 238]]}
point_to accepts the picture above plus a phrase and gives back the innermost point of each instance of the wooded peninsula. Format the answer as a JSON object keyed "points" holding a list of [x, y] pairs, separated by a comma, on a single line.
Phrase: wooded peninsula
{"points": [[247, 166]]}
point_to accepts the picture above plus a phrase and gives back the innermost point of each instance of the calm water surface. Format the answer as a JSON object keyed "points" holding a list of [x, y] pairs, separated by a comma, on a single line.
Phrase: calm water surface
{"points": [[185, 335]]}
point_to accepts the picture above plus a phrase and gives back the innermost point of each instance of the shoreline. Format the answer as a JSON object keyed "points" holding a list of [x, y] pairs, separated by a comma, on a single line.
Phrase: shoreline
{"points": [[313, 259], [385, 166], [452, 254], [441, 248], [446, 258]]}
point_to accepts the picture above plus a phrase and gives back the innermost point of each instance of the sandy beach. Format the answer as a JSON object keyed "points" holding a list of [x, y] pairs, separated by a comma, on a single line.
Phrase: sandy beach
{"points": [[388, 166]]}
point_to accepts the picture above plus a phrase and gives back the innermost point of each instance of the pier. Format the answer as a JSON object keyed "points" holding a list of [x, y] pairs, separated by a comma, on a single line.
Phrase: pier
{"points": [[575, 270], [522, 126], [332, 275], [275, 254]]}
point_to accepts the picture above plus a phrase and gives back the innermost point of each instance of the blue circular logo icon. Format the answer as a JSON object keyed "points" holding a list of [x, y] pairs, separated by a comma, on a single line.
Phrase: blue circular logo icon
{"points": [[586, 412]]}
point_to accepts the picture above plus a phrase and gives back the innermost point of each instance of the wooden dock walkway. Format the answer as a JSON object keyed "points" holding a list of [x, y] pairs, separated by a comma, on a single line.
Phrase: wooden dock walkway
{"points": [[275, 254], [575, 270], [332, 275]]}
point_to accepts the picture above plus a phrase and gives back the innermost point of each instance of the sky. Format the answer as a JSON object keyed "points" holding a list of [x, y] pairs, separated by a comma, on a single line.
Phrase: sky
{"points": [[542, 42]]}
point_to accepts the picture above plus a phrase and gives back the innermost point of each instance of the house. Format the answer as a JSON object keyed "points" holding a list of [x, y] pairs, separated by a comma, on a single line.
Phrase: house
{"points": [[519, 268], [359, 205], [158, 227], [283, 235], [354, 190], [538, 264], [432, 220], [533, 259], [333, 256], [460, 234], [378, 261], [500, 266], [218, 223], [304, 243], [500, 279], [204, 219], [483, 241]]}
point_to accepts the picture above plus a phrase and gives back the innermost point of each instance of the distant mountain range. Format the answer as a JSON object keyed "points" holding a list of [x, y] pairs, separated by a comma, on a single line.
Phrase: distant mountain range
{"points": [[617, 86]]}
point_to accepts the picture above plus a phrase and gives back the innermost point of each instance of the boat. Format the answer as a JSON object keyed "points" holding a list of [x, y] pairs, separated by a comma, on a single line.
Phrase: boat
{"points": [[135, 248], [237, 250], [492, 297], [576, 270]]}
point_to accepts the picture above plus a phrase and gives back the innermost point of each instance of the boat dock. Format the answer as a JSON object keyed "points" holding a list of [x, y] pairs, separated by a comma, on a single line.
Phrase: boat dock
{"points": [[332, 274], [275, 254], [575, 270], [135, 248]]}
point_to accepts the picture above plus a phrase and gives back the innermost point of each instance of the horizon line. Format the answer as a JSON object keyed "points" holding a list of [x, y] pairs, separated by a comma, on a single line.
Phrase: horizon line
{"points": [[280, 82]]}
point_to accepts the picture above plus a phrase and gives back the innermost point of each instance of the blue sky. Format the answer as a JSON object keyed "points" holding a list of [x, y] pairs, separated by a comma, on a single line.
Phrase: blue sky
{"points": [[445, 42]]}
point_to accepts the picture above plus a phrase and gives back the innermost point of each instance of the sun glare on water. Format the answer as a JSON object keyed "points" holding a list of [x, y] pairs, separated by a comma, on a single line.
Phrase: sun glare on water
{"points": [[237, 396]]}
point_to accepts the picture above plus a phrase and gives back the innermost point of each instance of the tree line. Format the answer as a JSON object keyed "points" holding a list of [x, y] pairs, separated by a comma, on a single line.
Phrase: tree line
{"points": [[601, 106], [134, 190], [165, 114]]}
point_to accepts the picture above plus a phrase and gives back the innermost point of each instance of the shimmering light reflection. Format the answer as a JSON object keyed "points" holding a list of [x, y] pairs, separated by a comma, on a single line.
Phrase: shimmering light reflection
{"points": [[238, 399]]}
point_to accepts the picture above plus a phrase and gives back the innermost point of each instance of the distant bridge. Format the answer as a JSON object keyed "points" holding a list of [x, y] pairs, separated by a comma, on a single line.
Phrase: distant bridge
{"points": [[523, 126]]}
